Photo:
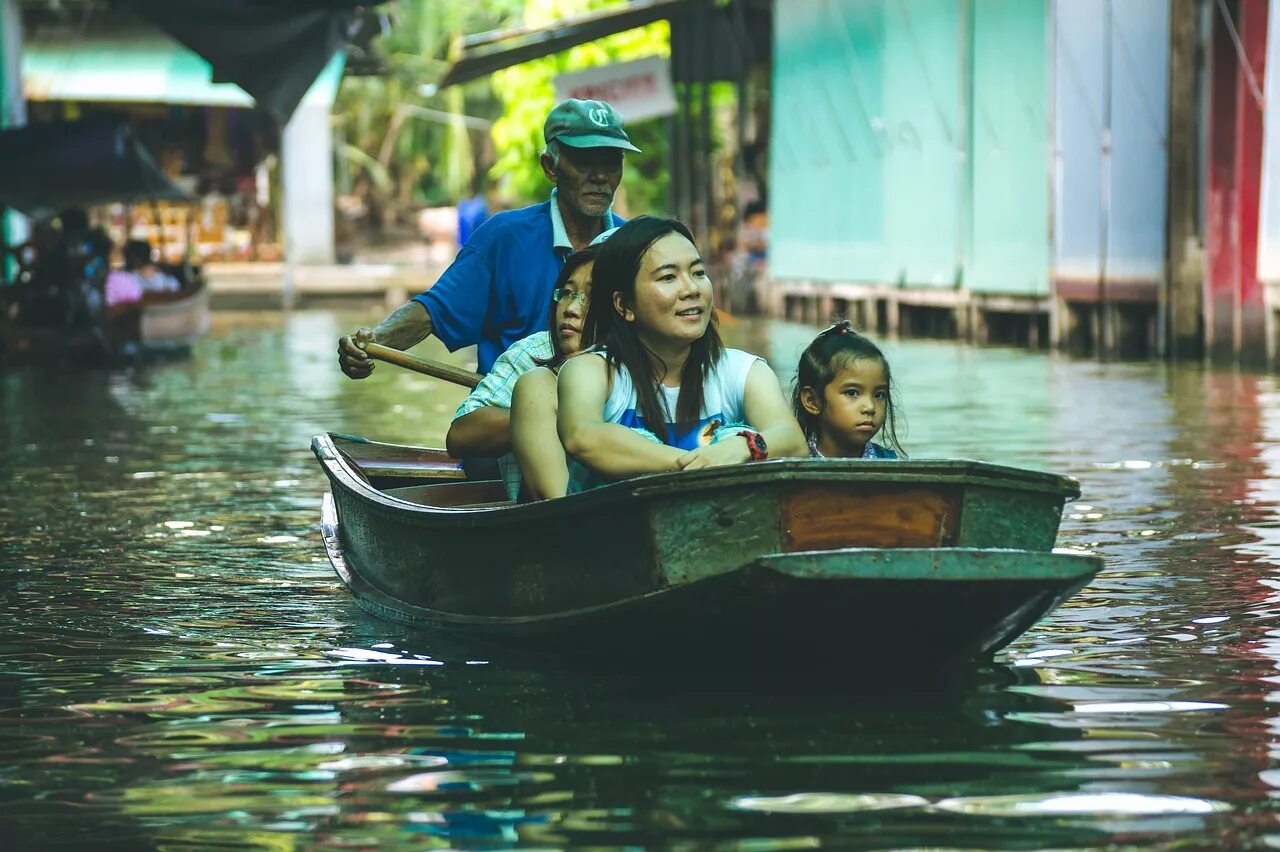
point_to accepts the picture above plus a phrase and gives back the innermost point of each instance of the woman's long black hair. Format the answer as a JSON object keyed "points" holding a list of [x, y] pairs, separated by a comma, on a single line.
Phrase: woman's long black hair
{"points": [[617, 266], [572, 264], [822, 359]]}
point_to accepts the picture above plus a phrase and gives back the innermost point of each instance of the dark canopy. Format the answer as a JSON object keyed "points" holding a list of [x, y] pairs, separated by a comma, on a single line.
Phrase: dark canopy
{"points": [[273, 49], [484, 53], [45, 168], [709, 40]]}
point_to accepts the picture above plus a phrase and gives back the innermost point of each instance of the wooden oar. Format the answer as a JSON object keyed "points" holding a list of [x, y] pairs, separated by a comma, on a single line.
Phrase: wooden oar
{"points": [[458, 376]]}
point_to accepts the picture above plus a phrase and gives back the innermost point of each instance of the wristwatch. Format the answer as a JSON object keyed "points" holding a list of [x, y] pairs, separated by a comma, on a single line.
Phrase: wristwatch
{"points": [[756, 445]]}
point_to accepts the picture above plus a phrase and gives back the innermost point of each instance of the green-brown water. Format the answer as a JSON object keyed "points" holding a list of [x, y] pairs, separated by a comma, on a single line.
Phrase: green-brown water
{"points": [[180, 668]]}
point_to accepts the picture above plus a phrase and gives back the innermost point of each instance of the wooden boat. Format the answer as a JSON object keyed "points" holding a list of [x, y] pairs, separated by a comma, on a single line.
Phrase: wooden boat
{"points": [[46, 167], [165, 324], [800, 561], [173, 322]]}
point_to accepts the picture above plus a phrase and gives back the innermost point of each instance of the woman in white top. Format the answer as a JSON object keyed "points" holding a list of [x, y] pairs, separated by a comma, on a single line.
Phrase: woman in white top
{"points": [[660, 392]]}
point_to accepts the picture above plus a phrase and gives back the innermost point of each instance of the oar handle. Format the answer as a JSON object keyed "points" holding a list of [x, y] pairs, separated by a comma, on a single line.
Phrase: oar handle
{"points": [[458, 376]]}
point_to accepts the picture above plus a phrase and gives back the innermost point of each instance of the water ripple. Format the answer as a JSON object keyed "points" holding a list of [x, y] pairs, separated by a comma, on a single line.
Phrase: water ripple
{"points": [[182, 670]]}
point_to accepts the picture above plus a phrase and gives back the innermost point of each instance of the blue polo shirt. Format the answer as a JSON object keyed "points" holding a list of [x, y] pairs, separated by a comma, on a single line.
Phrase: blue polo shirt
{"points": [[498, 288]]}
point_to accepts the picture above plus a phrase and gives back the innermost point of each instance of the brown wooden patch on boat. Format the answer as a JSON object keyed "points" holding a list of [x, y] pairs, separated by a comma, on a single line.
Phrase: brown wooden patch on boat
{"points": [[824, 518]]}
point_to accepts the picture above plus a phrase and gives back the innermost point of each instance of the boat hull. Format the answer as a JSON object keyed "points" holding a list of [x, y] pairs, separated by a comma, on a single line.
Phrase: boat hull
{"points": [[710, 564], [853, 608]]}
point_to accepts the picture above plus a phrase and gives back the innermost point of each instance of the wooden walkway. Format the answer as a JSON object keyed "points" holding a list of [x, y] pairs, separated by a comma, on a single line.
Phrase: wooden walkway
{"points": [[263, 286]]}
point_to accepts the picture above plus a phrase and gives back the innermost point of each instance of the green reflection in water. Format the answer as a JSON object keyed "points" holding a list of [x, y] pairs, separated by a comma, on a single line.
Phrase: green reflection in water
{"points": [[182, 669]]}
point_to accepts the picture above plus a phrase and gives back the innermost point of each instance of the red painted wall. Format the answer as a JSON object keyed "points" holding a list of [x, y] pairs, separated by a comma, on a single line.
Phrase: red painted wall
{"points": [[1249, 113], [1235, 320]]}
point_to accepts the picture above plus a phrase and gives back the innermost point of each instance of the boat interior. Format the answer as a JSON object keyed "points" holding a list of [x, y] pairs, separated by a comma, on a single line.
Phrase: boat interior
{"points": [[423, 476], [485, 494]]}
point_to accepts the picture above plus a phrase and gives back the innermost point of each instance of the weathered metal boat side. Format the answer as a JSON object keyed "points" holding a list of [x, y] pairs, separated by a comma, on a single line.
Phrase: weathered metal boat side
{"points": [[458, 554], [854, 609]]}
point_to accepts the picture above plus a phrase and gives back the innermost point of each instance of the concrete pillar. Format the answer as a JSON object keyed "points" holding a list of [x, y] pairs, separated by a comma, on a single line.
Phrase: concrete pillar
{"points": [[978, 323], [1068, 328], [1109, 317], [1059, 323], [1271, 336], [1095, 330], [306, 160], [870, 321], [826, 309], [768, 297]]}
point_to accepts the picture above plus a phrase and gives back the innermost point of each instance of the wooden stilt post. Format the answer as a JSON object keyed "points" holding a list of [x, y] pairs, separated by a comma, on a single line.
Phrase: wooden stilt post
{"points": [[1182, 290], [892, 315]]}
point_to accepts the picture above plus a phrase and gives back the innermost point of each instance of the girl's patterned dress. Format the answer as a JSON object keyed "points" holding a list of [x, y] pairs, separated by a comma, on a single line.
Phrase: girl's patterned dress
{"points": [[871, 451]]}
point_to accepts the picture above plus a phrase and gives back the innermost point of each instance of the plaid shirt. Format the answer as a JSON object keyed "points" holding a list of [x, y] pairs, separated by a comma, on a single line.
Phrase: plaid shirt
{"points": [[494, 391]]}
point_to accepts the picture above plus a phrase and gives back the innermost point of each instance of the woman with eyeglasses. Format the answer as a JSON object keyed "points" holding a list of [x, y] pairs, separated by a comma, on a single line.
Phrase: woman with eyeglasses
{"points": [[482, 425], [658, 390]]}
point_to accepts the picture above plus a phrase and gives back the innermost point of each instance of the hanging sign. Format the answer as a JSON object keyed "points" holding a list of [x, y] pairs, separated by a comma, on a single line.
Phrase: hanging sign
{"points": [[638, 89]]}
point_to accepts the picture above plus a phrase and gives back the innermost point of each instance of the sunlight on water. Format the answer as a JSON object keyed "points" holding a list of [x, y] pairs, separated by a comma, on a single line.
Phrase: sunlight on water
{"points": [[828, 803], [183, 669], [1080, 804]]}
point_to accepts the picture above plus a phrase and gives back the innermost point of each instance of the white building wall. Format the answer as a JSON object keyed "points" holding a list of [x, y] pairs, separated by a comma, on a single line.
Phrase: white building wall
{"points": [[1110, 125]]}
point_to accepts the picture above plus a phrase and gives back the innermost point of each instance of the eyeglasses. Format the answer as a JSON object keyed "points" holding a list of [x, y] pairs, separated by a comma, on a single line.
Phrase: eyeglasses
{"points": [[841, 327], [561, 294]]}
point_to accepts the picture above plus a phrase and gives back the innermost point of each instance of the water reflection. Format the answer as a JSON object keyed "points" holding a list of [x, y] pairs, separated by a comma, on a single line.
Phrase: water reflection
{"points": [[183, 670]]}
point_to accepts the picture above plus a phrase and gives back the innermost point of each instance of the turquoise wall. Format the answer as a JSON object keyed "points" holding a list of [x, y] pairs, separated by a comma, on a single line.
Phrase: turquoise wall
{"points": [[925, 122], [886, 117], [826, 151], [1009, 144]]}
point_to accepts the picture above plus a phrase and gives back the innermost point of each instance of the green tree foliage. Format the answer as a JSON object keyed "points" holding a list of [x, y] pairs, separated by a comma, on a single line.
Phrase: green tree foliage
{"points": [[398, 160], [527, 93]]}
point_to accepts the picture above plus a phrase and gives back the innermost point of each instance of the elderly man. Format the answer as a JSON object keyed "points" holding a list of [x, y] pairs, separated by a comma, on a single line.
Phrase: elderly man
{"points": [[498, 288]]}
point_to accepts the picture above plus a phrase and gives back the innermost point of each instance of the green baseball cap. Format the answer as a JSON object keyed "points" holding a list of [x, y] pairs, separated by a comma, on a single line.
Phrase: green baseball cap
{"points": [[586, 124]]}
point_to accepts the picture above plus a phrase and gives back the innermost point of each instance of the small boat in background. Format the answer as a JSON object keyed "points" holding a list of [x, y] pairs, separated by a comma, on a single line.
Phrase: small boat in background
{"points": [[859, 565], [165, 325], [58, 310], [172, 322]]}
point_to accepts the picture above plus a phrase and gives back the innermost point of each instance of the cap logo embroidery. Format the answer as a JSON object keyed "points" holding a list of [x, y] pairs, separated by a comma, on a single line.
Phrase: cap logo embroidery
{"points": [[599, 117]]}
